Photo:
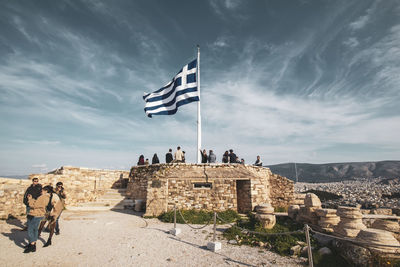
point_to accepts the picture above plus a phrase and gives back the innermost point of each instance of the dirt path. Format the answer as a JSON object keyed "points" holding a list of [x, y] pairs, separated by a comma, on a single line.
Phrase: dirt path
{"points": [[111, 238]]}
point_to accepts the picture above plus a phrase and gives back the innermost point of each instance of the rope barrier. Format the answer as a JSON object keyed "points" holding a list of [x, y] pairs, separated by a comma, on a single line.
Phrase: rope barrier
{"points": [[260, 233], [196, 228], [353, 240]]}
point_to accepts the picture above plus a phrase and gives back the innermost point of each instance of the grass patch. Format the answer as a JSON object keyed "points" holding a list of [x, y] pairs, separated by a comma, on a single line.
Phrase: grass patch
{"points": [[332, 260], [280, 244], [199, 216], [281, 209]]}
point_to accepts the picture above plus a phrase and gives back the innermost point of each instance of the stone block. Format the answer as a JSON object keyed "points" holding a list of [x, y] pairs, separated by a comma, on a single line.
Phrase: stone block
{"points": [[175, 231], [312, 200], [214, 246]]}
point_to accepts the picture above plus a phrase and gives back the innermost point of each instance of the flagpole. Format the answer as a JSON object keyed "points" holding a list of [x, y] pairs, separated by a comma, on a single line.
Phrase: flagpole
{"points": [[198, 108]]}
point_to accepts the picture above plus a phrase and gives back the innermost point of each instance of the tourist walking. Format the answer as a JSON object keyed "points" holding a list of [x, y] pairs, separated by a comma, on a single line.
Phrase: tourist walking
{"points": [[258, 162], [141, 160], [203, 156], [225, 157], [232, 156], [36, 214], [53, 211], [178, 155], [168, 157], [62, 195], [183, 156], [155, 159], [211, 157], [35, 190]]}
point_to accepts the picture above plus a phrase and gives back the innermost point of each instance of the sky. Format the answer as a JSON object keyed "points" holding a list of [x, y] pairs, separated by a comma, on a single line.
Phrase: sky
{"points": [[291, 81]]}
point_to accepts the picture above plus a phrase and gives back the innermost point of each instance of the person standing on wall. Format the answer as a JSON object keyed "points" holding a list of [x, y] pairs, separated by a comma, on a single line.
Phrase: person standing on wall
{"points": [[232, 156], [35, 190], [225, 157], [203, 156], [141, 160], [211, 157], [168, 157], [258, 162], [178, 155], [155, 159]]}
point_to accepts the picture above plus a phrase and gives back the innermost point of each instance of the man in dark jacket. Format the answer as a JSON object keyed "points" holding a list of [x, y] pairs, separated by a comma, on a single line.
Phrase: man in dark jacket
{"points": [[35, 190], [232, 156], [168, 156]]}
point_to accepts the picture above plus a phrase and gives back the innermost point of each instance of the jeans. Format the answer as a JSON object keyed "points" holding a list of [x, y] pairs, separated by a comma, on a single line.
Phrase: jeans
{"points": [[57, 225], [27, 210], [33, 228]]}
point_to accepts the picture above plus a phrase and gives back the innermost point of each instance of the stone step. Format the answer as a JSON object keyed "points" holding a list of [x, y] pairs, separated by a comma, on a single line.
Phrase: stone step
{"points": [[111, 197], [114, 195]]}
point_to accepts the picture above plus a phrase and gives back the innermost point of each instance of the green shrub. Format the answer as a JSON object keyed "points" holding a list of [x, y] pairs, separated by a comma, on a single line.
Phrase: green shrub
{"points": [[281, 209], [278, 243]]}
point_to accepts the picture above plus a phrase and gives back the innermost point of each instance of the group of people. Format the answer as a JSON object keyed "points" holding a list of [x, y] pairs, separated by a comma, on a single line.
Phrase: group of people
{"points": [[179, 156], [43, 204]]}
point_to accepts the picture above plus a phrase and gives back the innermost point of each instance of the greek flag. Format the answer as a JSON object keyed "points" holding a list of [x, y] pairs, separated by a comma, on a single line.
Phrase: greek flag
{"points": [[180, 91]]}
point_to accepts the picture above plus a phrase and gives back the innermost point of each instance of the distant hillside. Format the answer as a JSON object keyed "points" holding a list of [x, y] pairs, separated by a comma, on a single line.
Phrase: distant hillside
{"points": [[335, 172], [15, 176]]}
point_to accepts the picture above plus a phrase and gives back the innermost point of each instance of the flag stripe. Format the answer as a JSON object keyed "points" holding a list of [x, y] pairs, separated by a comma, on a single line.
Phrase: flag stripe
{"points": [[181, 90], [176, 97]]}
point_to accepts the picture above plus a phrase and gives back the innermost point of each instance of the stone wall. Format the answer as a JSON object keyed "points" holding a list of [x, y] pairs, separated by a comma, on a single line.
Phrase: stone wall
{"points": [[81, 185], [11, 197], [282, 191], [206, 186]]}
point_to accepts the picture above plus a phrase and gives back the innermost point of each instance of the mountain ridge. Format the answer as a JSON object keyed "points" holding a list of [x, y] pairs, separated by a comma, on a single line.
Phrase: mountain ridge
{"points": [[336, 172]]}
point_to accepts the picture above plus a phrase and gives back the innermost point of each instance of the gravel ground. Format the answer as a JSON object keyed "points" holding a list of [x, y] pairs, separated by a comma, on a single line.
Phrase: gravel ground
{"points": [[112, 238]]}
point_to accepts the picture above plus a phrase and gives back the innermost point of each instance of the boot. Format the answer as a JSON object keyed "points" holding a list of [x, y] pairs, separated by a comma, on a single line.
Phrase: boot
{"points": [[48, 243], [30, 248]]}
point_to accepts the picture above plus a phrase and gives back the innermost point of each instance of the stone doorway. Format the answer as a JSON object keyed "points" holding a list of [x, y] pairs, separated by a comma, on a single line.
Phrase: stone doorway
{"points": [[243, 192]]}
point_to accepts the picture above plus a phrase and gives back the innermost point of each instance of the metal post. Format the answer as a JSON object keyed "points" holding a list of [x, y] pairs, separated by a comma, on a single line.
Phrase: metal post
{"points": [[309, 251], [198, 108], [215, 225], [174, 216]]}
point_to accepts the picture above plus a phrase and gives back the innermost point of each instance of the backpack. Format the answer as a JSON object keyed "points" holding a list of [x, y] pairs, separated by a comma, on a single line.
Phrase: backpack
{"points": [[49, 206]]}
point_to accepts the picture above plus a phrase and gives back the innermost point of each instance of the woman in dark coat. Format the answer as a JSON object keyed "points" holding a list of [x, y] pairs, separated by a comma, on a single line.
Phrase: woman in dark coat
{"points": [[155, 159]]}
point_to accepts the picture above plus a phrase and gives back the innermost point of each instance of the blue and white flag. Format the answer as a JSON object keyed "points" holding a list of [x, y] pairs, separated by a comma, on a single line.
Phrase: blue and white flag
{"points": [[180, 91]]}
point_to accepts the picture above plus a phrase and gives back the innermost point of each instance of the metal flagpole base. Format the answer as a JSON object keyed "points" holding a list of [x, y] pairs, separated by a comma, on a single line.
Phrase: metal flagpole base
{"points": [[214, 246], [175, 231]]}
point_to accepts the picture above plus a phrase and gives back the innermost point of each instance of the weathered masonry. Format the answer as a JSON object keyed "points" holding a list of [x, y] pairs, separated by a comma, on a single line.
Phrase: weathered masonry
{"points": [[207, 186]]}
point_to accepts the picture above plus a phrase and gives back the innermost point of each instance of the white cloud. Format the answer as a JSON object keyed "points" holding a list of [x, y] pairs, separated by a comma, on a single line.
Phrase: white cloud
{"points": [[363, 20], [351, 42], [359, 23]]}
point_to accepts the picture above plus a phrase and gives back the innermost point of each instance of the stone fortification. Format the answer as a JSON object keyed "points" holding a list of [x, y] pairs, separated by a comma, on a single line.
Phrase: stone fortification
{"points": [[161, 186], [81, 185], [11, 196], [207, 186]]}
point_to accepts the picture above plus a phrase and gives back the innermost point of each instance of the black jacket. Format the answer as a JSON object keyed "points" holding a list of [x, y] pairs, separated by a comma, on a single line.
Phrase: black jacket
{"points": [[34, 190], [232, 157], [168, 157]]}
